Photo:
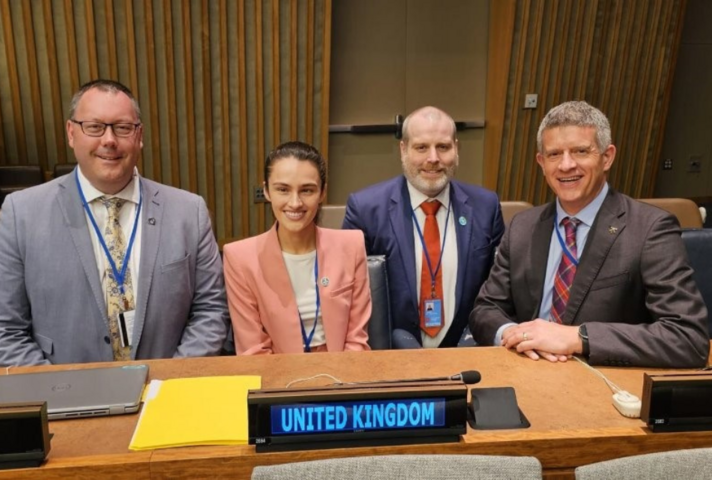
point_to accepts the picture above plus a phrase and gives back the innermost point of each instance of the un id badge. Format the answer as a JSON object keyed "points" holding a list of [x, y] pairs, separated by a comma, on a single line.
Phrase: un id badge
{"points": [[432, 311]]}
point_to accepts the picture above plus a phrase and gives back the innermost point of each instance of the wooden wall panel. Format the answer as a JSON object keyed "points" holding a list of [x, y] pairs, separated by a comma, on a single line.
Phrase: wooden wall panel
{"points": [[616, 55], [220, 83]]}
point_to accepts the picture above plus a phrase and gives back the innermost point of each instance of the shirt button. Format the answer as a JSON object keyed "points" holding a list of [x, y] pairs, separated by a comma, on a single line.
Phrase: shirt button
{"points": [[107, 340]]}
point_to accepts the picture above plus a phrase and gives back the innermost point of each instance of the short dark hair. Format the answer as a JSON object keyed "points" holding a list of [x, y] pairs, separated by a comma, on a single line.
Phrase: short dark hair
{"points": [[105, 86], [300, 151]]}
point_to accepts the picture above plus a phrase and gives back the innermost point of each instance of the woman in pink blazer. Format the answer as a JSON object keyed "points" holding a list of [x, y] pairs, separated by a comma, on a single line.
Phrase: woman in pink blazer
{"points": [[298, 287]]}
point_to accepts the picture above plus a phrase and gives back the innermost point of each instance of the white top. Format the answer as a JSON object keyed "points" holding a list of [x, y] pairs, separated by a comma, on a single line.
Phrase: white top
{"points": [[127, 216], [301, 274], [449, 263]]}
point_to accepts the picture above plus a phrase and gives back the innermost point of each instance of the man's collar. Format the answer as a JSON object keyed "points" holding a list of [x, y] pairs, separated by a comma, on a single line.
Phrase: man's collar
{"points": [[417, 197], [588, 214], [130, 192]]}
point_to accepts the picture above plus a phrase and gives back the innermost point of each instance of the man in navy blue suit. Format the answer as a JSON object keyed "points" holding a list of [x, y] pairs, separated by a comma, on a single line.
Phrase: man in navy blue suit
{"points": [[392, 217]]}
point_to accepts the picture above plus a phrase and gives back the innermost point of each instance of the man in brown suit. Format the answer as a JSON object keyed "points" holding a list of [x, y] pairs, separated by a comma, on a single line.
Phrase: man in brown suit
{"points": [[611, 282]]}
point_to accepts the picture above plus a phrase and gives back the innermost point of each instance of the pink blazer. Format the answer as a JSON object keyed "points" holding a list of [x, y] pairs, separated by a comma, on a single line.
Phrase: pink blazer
{"points": [[262, 305]]}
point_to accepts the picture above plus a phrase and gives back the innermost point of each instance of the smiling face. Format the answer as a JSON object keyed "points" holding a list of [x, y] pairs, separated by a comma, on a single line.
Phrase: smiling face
{"points": [[429, 154], [573, 166], [108, 161], [295, 191]]}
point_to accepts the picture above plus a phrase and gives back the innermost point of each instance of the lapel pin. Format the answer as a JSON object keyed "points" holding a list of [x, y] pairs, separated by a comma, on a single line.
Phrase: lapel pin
{"points": [[612, 230], [463, 221], [325, 282], [151, 221]]}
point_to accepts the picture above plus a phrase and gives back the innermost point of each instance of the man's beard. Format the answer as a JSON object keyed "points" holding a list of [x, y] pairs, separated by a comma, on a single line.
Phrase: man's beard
{"points": [[431, 188]]}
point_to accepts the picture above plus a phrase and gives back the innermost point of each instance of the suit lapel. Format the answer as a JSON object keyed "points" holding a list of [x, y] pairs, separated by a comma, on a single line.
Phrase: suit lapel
{"points": [[604, 232], [401, 215], [334, 341], [151, 229], [541, 240], [461, 209], [71, 205]]}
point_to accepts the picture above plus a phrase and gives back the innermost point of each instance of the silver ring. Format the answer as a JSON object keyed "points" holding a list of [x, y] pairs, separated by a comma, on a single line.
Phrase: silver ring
{"points": [[525, 336]]}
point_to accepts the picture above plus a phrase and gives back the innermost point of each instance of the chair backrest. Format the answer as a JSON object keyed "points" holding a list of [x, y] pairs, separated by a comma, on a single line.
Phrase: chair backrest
{"points": [[63, 169], [698, 243], [332, 216], [402, 467], [379, 326], [510, 209], [687, 464], [16, 176], [686, 211]]}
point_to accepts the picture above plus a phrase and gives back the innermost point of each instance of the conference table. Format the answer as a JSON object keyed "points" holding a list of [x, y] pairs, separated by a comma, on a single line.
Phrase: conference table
{"points": [[573, 421]]}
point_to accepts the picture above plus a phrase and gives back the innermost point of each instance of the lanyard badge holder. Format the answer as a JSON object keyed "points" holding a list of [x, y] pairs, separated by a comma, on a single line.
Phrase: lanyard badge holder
{"points": [[126, 318], [431, 308], [566, 250], [308, 339]]}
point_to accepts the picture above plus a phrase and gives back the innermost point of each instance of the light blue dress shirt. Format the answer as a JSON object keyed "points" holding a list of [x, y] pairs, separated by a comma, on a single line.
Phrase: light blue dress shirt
{"points": [[587, 216]]}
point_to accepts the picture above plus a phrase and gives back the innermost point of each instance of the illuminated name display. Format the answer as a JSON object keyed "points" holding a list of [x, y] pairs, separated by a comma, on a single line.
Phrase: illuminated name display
{"points": [[357, 416]]}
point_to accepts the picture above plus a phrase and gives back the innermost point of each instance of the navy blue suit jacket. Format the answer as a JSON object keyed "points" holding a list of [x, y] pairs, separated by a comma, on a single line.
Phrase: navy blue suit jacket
{"points": [[383, 213]]}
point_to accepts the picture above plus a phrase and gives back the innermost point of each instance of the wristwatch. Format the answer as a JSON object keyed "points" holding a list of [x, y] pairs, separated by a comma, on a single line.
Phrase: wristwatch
{"points": [[583, 335]]}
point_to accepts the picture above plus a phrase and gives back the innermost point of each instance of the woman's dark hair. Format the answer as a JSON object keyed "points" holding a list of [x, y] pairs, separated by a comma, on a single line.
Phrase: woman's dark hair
{"points": [[300, 151], [303, 152]]}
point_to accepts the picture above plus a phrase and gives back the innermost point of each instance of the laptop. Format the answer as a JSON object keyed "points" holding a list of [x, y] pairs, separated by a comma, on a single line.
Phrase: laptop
{"points": [[91, 392]]}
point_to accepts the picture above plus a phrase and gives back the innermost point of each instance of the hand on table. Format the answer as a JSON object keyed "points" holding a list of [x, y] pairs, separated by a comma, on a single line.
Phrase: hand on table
{"points": [[541, 338]]}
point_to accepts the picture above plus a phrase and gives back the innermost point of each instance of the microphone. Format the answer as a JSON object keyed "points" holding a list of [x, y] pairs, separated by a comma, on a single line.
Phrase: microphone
{"points": [[468, 377]]}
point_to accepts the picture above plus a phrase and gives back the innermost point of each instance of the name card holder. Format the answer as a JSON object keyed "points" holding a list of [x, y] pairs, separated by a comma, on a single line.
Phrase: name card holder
{"points": [[24, 437], [356, 416], [677, 402]]}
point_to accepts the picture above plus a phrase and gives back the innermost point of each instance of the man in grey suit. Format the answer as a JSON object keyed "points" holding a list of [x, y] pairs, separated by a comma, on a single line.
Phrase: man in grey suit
{"points": [[594, 273], [102, 264]]}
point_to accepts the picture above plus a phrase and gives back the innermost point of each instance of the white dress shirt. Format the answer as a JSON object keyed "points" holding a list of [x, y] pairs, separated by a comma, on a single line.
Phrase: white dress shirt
{"points": [[449, 253], [301, 274]]}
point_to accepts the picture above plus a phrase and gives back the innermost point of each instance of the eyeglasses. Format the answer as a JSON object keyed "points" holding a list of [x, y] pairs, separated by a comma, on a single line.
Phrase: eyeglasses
{"points": [[97, 129]]}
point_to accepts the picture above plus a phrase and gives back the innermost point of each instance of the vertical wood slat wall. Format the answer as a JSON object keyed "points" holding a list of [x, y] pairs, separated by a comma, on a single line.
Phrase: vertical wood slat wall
{"points": [[220, 83], [617, 55]]}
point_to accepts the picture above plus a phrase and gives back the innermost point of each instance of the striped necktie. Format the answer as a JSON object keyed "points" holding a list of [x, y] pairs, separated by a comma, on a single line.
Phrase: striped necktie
{"points": [[565, 273]]}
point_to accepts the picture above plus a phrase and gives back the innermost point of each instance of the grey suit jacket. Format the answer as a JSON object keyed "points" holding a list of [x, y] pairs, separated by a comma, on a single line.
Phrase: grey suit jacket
{"points": [[52, 307], [633, 287]]}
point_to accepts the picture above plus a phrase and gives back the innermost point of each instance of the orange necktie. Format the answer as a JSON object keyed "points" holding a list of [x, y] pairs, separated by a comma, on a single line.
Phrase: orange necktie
{"points": [[431, 234]]}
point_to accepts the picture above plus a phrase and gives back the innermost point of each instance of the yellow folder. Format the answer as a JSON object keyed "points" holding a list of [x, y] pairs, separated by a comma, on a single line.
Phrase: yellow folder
{"points": [[195, 411]]}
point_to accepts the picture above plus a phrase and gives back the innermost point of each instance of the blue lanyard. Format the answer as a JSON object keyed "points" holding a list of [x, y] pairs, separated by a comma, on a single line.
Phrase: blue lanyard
{"points": [[119, 276], [561, 241], [307, 340], [433, 274]]}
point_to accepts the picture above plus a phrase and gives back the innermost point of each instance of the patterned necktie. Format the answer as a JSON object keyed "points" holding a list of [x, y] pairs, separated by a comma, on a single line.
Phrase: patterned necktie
{"points": [[116, 302], [431, 235], [566, 272]]}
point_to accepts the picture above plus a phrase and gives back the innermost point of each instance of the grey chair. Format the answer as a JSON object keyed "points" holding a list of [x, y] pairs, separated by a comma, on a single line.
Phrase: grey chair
{"points": [[688, 464], [332, 216], [407, 467], [698, 243], [379, 326]]}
